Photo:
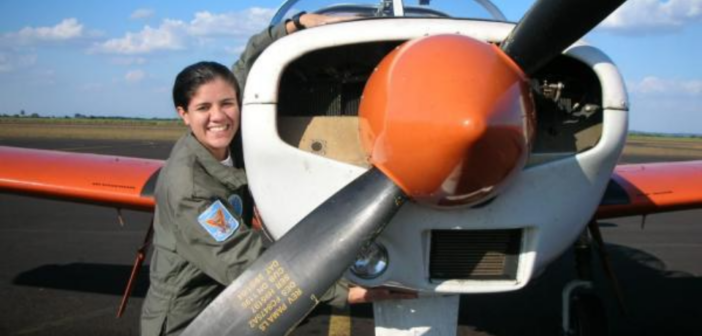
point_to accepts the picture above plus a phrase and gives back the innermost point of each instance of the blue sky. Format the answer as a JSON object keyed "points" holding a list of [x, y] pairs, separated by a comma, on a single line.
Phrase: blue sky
{"points": [[120, 57]]}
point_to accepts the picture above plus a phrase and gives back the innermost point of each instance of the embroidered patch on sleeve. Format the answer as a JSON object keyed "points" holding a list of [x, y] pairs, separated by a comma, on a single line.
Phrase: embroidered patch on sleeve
{"points": [[237, 204], [218, 222]]}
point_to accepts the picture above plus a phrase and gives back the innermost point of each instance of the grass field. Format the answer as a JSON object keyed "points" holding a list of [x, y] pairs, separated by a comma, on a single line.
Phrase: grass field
{"points": [[171, 130], [682, 148], [119, 129], [89, 121]]}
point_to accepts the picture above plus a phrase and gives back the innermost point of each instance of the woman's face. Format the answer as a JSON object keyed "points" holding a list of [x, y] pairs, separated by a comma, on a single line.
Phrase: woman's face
{"points": [[213, 116]]}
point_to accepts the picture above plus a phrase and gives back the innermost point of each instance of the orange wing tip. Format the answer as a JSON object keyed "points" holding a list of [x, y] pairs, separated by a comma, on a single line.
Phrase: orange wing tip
{"points": [[86, 178], [643, 189]]}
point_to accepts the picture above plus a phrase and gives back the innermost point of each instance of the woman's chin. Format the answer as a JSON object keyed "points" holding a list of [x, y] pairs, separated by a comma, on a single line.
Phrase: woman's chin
{"points": [[217, 144]]}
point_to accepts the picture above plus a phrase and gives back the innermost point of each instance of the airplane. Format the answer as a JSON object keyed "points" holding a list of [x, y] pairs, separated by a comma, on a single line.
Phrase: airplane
{"points": [[419, 148]]}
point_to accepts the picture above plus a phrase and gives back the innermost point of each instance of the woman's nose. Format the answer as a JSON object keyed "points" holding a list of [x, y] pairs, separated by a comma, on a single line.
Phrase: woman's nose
{"points": [[218, 113]]}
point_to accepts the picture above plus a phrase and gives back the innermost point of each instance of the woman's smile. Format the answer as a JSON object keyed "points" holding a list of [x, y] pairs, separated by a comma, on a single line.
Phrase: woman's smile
{"points": [[213, 116]]}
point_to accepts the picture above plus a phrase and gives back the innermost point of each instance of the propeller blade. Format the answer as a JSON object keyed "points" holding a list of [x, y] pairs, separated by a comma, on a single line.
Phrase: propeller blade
{"points": [[550, 26], [282, 286]]}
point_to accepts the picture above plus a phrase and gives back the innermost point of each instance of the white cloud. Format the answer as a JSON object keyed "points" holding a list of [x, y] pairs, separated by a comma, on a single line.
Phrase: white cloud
{"points": [[128, 61], [653, 16], [168, 36], [142, 13], [651, 85], [12, 61], [177, 35], [243, 23], [5, 65], [65, 30], [135, 76]]}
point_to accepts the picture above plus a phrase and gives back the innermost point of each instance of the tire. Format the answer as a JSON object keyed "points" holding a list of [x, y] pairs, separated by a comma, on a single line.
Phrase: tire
{"points": [[587, 316]]}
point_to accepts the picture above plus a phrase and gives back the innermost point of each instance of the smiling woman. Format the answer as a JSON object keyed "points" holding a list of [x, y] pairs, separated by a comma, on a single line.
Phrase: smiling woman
{"points": [[212, 117], [203, 239], [211, 111], [203, 234]]}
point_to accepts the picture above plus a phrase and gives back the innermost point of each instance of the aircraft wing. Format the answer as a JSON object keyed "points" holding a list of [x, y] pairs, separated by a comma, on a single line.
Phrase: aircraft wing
{"points": [[113, 181], [129, 183], [641, 189]]}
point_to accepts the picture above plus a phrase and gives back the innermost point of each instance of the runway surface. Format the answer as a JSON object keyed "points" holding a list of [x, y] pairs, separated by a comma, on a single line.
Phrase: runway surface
{"points": [[64, 267]]}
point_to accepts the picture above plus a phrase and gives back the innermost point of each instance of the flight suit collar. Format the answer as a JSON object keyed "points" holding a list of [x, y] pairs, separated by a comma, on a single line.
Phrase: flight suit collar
{"points": [[230, 176]]}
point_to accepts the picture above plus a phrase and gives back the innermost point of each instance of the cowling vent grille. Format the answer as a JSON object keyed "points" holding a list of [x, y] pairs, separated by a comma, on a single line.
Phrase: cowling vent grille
{"points": [[474, 255]]}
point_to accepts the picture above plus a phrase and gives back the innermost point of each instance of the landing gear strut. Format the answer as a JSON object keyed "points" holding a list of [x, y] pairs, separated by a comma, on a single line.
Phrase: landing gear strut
{"points": [[583, 312], [138, 262]]}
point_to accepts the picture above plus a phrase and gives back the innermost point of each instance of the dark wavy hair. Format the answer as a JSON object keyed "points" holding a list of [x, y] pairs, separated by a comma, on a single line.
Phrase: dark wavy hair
{"points": [[192, 77]]}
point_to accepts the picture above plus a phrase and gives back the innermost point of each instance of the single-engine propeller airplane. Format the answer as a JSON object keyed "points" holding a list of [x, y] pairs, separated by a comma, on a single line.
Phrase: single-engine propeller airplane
{"points": [[418, 148]]}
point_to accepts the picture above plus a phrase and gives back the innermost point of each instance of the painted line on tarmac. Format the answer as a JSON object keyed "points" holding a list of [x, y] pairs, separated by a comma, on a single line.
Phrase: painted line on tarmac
{"points": [[659, 245], [80, 149], [83, 148], [340, 322]]}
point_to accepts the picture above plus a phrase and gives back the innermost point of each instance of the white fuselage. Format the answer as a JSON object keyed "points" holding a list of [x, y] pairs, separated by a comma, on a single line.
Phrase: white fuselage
{"points": [[551, 202]]}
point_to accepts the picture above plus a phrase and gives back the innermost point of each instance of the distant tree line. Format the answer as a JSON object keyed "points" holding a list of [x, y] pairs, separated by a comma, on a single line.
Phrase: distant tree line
{"points": [[24, 114], [665, 135]]}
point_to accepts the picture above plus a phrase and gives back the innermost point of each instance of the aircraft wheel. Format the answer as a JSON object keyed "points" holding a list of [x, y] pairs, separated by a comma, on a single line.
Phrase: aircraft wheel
{"points": [[587, 316]]}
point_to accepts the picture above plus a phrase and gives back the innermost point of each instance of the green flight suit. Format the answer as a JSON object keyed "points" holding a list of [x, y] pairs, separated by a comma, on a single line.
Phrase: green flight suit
{"points": [[256, 45], [190, 267]]}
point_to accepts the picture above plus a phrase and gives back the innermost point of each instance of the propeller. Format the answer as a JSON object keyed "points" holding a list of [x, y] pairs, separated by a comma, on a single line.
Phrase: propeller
{"points": [[429, 138], [550, 26]]}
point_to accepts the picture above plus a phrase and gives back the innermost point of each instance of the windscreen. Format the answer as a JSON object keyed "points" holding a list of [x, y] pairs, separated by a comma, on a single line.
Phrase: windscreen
{"points": [[472, 9]]}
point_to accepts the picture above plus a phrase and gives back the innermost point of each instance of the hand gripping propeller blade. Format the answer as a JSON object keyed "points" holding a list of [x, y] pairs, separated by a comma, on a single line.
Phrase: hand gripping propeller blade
{"points": [[281, 287]]}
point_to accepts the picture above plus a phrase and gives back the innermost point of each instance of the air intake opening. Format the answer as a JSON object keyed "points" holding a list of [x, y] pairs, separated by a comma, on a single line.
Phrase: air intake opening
{"points": [[474, 255]]}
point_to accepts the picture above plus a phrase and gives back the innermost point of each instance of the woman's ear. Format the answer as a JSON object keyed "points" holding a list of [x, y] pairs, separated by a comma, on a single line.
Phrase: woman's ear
{"points": [[183, 115]]}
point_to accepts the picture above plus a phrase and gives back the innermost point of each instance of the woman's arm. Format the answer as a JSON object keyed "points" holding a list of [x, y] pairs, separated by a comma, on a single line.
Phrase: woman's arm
{"points": [[221, 253], [259, 42]]}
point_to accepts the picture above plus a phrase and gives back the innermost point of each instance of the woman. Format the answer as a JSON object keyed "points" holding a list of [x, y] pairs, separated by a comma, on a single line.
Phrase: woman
{"points": [[203, 239], [202, 236]]}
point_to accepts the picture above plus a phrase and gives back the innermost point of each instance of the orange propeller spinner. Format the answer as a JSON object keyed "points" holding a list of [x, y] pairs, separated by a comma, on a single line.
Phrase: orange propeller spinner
{"points": [[448, 118]]}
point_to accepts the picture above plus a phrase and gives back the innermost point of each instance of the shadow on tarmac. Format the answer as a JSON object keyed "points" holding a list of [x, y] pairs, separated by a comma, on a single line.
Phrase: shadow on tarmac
{"points": [[659, 301], [85, 277]]}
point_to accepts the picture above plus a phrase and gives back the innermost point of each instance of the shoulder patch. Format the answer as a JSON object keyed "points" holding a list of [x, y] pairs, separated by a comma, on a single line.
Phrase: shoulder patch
{"points": [[237, 204], [218, 222]]}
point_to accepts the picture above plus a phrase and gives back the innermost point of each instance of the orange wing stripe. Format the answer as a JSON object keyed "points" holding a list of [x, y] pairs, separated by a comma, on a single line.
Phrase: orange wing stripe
{"points": [[651, 188], [86, 178]]}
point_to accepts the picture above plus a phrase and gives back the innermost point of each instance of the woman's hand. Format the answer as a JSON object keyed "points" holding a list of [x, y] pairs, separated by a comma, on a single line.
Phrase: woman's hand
{"points": [[314, 20], [365, 295], [310, 20]]}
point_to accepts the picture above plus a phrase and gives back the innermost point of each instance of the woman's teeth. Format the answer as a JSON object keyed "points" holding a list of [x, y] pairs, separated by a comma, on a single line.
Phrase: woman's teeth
{"points": [[218, 128]]}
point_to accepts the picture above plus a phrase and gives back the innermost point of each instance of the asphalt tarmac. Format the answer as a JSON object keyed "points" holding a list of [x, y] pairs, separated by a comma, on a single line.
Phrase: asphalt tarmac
{"points": [[63, 267]]}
